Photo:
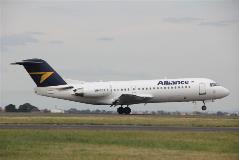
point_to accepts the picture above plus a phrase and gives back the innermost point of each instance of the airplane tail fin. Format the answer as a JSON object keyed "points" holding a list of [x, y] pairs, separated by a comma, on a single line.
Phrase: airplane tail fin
{"points": [[42, 73]]}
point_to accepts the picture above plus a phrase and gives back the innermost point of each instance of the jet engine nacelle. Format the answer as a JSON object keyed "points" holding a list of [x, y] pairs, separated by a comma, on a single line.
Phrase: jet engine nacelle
{"points": [[93, 91]]}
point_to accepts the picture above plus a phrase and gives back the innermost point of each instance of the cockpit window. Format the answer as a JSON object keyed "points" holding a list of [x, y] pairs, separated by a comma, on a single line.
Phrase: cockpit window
{"points": [[214, 84]]}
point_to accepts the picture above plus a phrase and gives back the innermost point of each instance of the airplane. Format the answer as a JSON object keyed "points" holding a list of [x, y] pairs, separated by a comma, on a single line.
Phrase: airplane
{"points": [[121, 93]]}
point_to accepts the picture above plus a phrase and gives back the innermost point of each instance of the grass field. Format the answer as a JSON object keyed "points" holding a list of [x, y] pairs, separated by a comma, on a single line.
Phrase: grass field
{"points": [[195, 121], [36, 144], [91, 145]]}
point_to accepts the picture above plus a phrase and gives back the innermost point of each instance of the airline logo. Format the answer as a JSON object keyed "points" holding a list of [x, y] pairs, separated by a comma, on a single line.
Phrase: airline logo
{"points": [[44, 75], [172, 82]]}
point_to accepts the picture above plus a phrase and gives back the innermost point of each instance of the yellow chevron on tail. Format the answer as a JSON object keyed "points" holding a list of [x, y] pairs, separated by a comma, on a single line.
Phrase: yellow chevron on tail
{"points": [[44, 75]]}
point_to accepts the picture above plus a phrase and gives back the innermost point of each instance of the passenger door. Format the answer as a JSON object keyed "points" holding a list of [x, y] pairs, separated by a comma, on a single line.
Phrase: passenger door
{"points": [[202, 88]]}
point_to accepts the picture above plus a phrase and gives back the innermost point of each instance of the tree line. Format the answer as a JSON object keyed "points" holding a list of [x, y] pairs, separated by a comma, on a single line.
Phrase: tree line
{"points": [[26, 107]]}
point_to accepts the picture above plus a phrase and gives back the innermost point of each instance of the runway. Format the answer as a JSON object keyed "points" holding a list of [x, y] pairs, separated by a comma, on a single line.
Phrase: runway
{"points": [[117, 127]]}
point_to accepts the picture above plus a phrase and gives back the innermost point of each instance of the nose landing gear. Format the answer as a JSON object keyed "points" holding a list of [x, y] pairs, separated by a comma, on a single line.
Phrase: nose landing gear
{"points": [[122, 110], [204, 106]]}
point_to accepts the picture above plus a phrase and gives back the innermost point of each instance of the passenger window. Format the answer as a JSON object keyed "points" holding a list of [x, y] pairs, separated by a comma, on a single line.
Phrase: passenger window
{"points": [[165, 88], [182, 86], [142, 88], [178, 86], [186, 87], [171, 87], [122, 90]]}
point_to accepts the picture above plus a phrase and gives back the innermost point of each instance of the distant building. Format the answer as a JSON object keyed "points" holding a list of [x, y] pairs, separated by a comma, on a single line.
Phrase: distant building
{"points": [[57, 110]]}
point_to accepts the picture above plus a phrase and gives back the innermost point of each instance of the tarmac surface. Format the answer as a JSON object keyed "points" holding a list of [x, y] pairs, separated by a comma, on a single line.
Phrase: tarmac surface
{"points": [[116, 127]]}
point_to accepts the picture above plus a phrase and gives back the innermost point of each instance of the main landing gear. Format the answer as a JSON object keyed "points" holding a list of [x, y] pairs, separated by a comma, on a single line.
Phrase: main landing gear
{"points": [[122, 110], [204, 106]]}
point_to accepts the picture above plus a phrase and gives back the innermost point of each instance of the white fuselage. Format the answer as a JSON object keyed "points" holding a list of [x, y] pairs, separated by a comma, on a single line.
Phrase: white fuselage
{"points": [[155, 91]]}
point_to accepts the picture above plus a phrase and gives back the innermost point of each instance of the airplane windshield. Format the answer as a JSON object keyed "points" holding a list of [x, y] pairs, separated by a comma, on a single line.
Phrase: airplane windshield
{"points": [[214, 84]]}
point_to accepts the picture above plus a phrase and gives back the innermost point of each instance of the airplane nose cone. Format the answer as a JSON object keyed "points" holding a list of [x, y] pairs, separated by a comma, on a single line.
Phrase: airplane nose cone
{"points": [[221, 92], [226, 92]]}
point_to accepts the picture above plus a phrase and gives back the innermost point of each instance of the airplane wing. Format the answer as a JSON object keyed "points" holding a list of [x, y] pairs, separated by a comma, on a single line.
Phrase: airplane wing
{"points": [[127, 99]]}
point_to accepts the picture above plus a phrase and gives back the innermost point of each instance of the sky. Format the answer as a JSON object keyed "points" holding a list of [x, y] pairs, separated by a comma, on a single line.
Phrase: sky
{"points": [[120, 40]]}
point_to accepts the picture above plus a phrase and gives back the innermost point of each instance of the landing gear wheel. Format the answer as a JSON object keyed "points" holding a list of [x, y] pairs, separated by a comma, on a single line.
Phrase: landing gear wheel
{"points": [[204, 108], [127, 110], [120, 110]]}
